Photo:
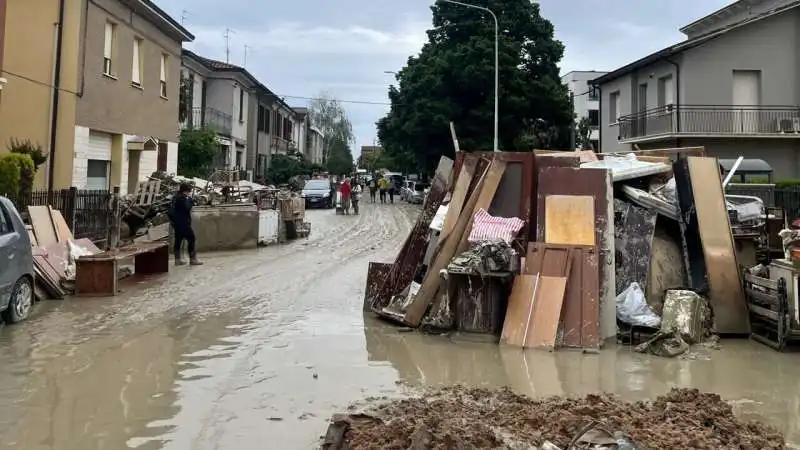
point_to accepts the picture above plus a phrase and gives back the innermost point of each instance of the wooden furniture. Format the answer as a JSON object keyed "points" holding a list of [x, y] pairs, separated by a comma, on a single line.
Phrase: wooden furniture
{"points": [[478, 301], [770, 318], [97, 274]]}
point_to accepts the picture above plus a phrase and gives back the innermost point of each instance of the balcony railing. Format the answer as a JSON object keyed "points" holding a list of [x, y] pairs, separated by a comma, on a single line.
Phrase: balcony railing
{"points": [[210, 118], [711, 120]]}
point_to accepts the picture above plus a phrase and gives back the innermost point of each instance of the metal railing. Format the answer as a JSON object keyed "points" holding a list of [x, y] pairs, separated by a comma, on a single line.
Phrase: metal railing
{"points": [[210, 118], [711, 120], [84, 210]]}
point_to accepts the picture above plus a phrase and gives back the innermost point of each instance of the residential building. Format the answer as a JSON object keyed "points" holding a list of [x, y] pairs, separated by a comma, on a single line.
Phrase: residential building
{"points": [[302, 123], [283, 137], [733, 87], [221, 95], [31, 44], [586, 101], [314, 145]]}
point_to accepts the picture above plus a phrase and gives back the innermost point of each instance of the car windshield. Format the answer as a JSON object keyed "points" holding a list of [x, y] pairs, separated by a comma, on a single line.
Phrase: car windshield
{"points": [[317, 185]]}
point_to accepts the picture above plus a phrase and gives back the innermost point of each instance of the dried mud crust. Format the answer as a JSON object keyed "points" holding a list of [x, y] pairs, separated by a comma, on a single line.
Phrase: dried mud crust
{"points": [[458, 417]]}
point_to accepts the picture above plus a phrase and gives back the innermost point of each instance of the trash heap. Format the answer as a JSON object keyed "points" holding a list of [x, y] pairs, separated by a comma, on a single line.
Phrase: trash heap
{"points": [[459, 417], [569, 249]]}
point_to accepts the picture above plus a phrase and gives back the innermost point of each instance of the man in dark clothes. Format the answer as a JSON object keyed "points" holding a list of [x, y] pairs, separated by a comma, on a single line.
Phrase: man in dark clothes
{"points": [[180, 215]]}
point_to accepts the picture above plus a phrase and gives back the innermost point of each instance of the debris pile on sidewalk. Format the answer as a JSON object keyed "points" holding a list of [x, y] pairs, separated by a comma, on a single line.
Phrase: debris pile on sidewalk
{"points": [[570, 249], [459, 417]]}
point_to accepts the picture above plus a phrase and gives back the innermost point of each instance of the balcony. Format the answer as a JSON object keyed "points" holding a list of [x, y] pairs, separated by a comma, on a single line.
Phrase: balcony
{"points": [[280, 145], [210, 118], [674, 121]]}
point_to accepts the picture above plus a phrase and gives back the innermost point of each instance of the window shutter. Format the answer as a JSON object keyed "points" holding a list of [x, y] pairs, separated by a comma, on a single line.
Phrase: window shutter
{"points": [[136, 75], [109, 42], [163, 67]]}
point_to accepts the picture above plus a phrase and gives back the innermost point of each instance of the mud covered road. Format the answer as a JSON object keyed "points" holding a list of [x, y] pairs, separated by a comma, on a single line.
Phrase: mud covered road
{"points": [[256, 349]]}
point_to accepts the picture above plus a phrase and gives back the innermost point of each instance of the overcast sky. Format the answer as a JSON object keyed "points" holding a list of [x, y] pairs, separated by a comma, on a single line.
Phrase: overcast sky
{"points": [[302, 47]]}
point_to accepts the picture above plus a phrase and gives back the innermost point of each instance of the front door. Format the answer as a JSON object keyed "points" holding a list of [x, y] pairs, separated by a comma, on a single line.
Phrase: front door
{"points": [[746, 99]]}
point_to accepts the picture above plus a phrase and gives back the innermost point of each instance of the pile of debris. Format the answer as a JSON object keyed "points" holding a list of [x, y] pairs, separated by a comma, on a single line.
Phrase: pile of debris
{"points": [[458, 417], [569, 249], [55, 251]]}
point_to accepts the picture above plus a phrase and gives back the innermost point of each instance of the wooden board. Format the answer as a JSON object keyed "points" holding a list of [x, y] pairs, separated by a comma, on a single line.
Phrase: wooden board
{"points": [[485, 197], [31, 235], [580, 314], [520, 303], [546, 314], [459, 196], [725, 290], [548, 259], [596, 183], [63, 233], [447, 249], [42, 225], [634, 227], [570, 219]]}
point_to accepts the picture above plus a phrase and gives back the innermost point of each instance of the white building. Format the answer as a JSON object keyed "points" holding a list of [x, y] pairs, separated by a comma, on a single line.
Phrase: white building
{"points": [[314, 145], [587, 100]]}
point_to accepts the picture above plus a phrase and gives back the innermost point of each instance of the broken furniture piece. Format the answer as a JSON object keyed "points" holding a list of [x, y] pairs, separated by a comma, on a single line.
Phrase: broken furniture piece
{"points": [[97, 275], [770, 318]]}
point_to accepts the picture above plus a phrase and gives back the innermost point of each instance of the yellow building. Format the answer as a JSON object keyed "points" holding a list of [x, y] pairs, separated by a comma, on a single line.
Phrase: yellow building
{"points": [[95, 83]]}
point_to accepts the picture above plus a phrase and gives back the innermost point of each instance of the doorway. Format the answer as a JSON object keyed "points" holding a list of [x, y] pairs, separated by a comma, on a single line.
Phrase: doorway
{"points": [[746, 99], [134, 160]]}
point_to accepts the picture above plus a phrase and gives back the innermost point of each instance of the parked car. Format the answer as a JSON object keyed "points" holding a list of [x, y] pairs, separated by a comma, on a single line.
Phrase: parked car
{"points": [[16, 265], [319, 193], [418, 192]]}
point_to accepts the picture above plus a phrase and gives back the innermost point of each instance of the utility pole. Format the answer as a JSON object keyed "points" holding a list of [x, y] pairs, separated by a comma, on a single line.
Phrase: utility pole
{"points": [[228, 32], [246, 47]]}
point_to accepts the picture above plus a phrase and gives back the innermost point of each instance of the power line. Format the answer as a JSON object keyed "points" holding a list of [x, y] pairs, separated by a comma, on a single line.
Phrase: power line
{"points": [[40, 83]]}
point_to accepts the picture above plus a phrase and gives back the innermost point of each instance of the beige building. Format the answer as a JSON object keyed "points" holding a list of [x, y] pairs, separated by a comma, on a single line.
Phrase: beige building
{"points": [[116, 67]]}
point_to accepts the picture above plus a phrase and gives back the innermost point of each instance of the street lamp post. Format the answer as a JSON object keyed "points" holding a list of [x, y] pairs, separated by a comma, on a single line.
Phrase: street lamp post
{"points": [[496, 63]]}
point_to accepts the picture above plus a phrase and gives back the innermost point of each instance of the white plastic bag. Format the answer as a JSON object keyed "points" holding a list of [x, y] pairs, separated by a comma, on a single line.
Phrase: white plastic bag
{"points": [[632, 308]]}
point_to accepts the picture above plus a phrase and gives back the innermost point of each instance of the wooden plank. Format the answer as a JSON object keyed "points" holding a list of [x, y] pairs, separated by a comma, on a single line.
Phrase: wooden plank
{"points": [[547, 259], [580, 314], [31, 236], [545, 318], [520, 303], [63, 232], [485, 197], [725, 290], [596, 183], [570, 219], [42, 225], [448, 247], [458, 197]]}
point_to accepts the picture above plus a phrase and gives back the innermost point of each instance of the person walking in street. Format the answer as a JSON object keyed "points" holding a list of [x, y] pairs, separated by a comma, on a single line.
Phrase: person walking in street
{"points": [[383, 186], [355, 196], [373, 188], [180, 215], [393, 189], [346, 190]]}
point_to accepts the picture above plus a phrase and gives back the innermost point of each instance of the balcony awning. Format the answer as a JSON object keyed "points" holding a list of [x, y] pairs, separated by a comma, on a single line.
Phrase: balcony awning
{"points": [[148, 143], [747, 165]]}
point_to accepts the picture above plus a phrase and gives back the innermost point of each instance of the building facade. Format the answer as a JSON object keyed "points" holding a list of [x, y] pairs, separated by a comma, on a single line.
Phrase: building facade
{"points": [[36, 36], [733, 87], [586, 101], [314, 145]]}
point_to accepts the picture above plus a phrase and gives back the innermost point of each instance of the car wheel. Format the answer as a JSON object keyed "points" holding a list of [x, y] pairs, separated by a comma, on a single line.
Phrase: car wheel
{"points": [[19, 306]]}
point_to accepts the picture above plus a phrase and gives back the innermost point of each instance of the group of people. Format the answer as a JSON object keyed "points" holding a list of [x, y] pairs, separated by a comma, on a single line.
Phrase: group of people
{"points": [[351, 190], [383, 187]]}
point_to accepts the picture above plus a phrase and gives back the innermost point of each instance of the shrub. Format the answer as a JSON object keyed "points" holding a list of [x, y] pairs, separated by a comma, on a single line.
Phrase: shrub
{"points": [[26, 147], [788, 183], [20, 172]]}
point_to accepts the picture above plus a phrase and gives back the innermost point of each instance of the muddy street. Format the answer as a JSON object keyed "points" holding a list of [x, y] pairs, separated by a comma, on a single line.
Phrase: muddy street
{"points": [[257, 349]]}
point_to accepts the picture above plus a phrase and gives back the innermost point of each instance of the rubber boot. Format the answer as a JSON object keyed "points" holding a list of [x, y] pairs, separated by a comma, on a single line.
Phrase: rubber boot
{"points": [[194, 261], [179, 261]]}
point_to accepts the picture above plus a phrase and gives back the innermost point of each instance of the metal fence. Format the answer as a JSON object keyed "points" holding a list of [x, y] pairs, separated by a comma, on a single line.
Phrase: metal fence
{"points": [[787, 198], [85, 211]]}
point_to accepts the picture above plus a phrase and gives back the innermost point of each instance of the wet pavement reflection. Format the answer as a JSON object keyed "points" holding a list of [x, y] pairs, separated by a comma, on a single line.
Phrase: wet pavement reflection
{"points": [[257, 349]]}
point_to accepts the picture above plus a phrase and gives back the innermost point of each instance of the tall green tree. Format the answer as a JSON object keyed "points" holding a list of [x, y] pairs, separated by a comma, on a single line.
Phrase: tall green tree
{"points": [[196, 152], [340, 159], [329, 116], [452, 79]]}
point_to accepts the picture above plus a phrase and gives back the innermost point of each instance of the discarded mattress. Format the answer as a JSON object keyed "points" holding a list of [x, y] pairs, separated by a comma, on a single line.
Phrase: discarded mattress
{"points": [[626, 167]]}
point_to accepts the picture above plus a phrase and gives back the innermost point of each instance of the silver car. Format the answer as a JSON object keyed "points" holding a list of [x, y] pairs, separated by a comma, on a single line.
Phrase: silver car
{"points": [[16, 265]]}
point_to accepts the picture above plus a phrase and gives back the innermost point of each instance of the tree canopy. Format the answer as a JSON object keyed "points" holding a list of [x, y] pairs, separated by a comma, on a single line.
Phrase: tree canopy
{"points": [[452, 79], [196, 152], [329, 116], [340, 158]]}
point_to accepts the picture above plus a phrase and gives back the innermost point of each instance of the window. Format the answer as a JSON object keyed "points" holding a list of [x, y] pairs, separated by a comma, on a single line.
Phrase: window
{"points": [[241, 104], [164, 75], [108, 49], [6, 226], [594, 93], [594, 118], [263, 119], [666, 94], [277, 122], [613, 107], [136, 69]]}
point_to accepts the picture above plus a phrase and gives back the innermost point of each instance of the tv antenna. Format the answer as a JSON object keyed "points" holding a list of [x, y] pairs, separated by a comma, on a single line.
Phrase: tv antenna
{"points": [[228, 33]]}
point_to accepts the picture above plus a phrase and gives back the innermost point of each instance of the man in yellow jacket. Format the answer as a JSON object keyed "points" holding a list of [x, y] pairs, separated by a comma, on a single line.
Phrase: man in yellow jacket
{"points": [[383, 186]]}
